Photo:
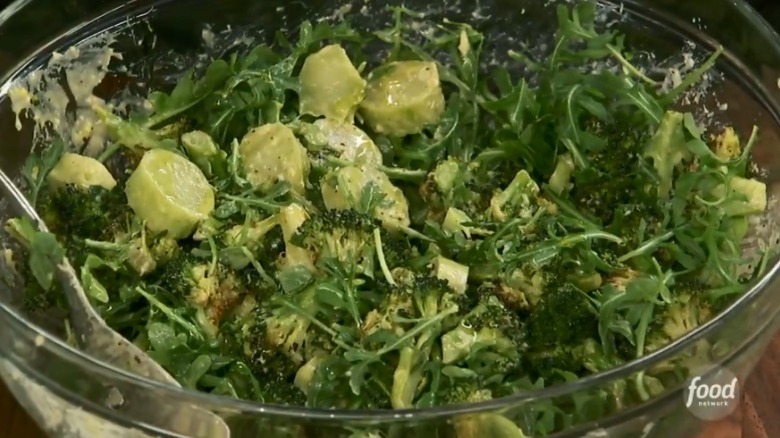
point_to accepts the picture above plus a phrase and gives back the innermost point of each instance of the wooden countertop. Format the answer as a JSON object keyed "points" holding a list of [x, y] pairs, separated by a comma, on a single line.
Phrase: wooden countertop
{"points": [[758, 418]]}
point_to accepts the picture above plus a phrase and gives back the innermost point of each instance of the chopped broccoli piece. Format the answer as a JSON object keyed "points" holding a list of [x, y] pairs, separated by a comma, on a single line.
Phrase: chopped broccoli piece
{"points": [[341, 236], [205, 153], [287, 330], [95, 213], [686, 313], [291, 218], [480, 425], [517, 199], [561, 177], [446, 187], [457, 221], [214, 288], [132, 248], [750, 199], [487, 341], [563, 316], [455, 274], [727, 145], [250, 235], [407, 377], [81, 172]]}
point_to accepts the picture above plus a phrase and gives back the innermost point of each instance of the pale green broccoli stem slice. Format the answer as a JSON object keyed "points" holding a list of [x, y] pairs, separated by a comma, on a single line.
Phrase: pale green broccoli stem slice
{"points": [[744, 197], [455, 274], [306, 373], [667, 149], [561, 177], [531, 285], [271, 154], [169, 194], [446, 174], [205, 153], [348, 141], [407, 377], [250, 235], [403, 98], [343, 189], [485, 425], [291, 218], [331, 86], [455, 222], [517, 200], [81, 172]]}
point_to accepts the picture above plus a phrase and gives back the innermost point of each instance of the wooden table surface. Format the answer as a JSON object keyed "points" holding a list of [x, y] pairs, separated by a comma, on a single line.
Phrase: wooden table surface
{"points": [[758, 417]]}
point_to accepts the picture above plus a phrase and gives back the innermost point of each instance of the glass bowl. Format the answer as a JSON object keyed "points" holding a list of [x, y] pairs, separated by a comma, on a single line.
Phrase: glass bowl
{"points": [[70, 394]]}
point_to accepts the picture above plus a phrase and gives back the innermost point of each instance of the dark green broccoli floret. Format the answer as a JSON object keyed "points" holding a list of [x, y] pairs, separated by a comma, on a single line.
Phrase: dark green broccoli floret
{"points": [[287, 328], [397, 302], [215, 289], [93, 213], [688, 311], [563, 316], [415, 301], [487, 340], [584, 357], [340, 236], [245, 337]]}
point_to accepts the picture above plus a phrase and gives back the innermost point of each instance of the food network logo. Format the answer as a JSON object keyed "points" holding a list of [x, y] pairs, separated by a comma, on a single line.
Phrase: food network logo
{"points": [[713, 395]]}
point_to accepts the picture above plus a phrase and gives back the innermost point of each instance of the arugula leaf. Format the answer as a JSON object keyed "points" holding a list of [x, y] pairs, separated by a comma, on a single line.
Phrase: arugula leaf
{"points": [[38, 167], [187, 93]]}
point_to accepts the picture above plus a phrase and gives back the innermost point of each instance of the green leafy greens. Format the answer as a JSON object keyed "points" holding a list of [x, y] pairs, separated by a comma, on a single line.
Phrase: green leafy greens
{"points": [[492, 233]]}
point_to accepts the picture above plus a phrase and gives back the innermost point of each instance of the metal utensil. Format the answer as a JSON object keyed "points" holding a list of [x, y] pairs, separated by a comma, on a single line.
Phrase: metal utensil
{"points": [[98, 340]]}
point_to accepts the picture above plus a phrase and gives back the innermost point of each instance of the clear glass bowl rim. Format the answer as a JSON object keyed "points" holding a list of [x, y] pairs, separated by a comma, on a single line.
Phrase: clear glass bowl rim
{"points": [[111, 373]]}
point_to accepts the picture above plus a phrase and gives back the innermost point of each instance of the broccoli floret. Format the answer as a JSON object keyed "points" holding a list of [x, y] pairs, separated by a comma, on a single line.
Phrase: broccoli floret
{"points": [[585, 357], [447, 186], [518, 199], [688, 311], [465, 391], [276, 373], [164, 250], [94, 213], [480, 425], [396, 302], [486, 341], [287, 330], [512, 298], [415, 299], [133, 249], [213, 288], [563, 316], [522, 290], [342, 236], [291, 219]]}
